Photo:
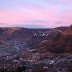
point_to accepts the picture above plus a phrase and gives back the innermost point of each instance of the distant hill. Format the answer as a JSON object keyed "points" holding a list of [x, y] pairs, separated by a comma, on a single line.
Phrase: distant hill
{"points": [[36, 50], [57, 40]]}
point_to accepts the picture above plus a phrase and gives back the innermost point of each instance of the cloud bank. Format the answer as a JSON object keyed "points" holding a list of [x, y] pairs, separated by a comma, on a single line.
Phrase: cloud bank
{"points": [[35, 13]]}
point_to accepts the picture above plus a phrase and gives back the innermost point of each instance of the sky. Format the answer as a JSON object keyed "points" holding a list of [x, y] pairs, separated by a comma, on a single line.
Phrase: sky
{"points": [[35, 13]]}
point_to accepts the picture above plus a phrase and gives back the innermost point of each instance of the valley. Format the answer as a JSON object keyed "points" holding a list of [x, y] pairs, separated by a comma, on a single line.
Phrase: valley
{"points": [[36, 50]]}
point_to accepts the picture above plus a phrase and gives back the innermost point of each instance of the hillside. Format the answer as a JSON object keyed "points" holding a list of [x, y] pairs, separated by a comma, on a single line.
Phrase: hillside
{"points": [[36, 50], [59, 42]]}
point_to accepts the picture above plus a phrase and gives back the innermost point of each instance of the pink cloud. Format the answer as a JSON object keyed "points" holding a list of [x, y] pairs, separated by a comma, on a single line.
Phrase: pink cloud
{"points": [[11, 17], [27, 16], [66, 17]]}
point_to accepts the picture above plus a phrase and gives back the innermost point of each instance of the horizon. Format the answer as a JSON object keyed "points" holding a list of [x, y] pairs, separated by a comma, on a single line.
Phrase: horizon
{"points": [[35, 27], [35, 13]]}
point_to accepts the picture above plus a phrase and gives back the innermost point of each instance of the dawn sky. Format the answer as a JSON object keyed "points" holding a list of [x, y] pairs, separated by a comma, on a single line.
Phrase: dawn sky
{"points": [[35, 13]]}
